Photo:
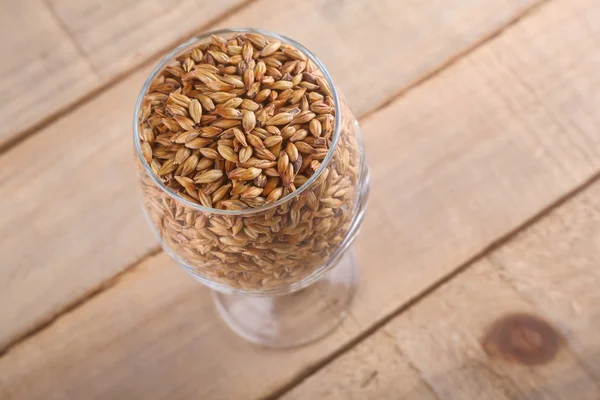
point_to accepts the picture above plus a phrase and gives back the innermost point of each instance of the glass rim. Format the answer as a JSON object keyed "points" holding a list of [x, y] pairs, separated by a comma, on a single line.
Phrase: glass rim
{"points": [[196, 40]]}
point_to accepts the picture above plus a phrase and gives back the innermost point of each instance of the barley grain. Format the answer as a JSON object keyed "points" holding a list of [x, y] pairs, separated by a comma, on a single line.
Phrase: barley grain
{"points": [[236, 124]]}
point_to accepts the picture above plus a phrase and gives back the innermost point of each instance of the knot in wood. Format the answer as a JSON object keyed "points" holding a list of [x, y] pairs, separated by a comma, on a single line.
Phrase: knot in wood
{"points": [[522, 338]]}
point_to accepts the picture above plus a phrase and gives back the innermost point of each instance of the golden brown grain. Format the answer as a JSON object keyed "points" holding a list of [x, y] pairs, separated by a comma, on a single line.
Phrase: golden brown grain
{"points": [[235, 124]]}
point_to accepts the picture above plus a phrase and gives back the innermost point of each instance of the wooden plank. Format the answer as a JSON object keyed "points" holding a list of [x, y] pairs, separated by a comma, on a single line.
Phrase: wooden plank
{"points": [[444, 338], [41, 66], [87, 182], [469, 165], [554, 265]]}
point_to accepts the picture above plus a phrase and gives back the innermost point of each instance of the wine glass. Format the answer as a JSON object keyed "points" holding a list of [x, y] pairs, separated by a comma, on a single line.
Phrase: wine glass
{"points": [[281, 270]]}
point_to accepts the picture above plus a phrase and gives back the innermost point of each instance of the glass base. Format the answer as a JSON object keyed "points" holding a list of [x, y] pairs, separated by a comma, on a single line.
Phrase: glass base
{"points": [[297, 318]]}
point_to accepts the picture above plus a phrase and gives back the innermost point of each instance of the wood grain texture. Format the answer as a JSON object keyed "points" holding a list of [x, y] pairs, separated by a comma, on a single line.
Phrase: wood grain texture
{"points": [[112, 37], [163, 319], [41, 66], [555, 266], [550, 269], [71, 191], [473, 153], [479, 150], [442, 337], [89, 227]]}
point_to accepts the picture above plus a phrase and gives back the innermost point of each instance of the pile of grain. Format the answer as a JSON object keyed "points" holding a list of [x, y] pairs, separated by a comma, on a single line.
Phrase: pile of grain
{"points": [[236, 124]]}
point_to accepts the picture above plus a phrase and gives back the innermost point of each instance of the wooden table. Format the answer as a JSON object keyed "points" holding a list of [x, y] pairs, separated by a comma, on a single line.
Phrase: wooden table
{"points": [[482, 126]]}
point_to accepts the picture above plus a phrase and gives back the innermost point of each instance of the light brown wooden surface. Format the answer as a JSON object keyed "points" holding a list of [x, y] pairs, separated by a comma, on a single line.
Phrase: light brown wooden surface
{"points": [[458, 162], [556, 267], [117, 34], [154, 335], [110, 38], [88, 181], [550, 270], [41, 66], [375, 369], [441, 338], [477, 151]]}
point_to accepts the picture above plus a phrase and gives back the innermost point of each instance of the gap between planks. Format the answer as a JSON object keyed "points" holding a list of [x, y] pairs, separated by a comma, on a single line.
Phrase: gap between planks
{"points": [[458, 56], [77, 103], [80, 301]]}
